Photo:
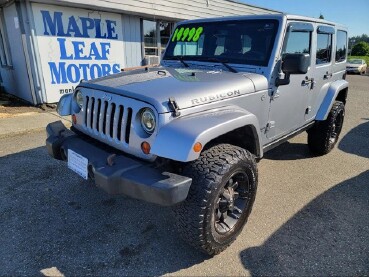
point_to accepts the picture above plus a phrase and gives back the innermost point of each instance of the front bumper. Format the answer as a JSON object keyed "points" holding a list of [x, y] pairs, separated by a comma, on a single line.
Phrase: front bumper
{"points": [[128, 176], [353, 70]]}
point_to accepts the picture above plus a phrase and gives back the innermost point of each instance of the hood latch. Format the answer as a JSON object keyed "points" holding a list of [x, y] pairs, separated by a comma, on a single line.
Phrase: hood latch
{"points": [[174, 107]]}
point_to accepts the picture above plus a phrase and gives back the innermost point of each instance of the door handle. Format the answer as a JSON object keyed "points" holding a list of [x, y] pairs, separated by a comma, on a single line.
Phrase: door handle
{"points": [[308, 81], [327, 75]]}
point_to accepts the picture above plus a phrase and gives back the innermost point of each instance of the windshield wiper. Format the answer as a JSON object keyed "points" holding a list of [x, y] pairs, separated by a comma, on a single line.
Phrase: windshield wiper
{"points": [[231, 69], [177, 58]]}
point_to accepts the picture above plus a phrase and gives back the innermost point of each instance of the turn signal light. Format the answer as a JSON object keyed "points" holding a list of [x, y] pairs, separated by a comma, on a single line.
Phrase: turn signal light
{"points": [[145, 146], [197, 147], [74, 119]]}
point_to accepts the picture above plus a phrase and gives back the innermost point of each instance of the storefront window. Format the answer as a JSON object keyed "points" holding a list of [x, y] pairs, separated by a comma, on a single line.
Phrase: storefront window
{"points": [[4, 44], [165, 32], [150, 38]]}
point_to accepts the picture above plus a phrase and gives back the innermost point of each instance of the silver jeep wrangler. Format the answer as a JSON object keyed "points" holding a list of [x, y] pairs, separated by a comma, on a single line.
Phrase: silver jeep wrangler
{"points": [[189, 133]]}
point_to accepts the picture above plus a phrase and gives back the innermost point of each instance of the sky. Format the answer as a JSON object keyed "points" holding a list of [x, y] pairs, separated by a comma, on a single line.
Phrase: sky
{"points": [[352, 13]]}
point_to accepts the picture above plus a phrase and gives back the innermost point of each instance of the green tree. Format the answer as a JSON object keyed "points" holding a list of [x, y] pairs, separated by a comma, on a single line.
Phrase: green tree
{"points": [[363, 37], [360, 49]]}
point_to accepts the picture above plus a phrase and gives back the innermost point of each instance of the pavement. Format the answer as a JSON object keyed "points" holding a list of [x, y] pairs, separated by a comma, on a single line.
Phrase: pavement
{"points": [[26, 122], [19, 117], [310, 215]]}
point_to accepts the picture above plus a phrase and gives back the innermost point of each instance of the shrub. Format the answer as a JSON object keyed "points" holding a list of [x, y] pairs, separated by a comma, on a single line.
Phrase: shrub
{"points": [[360, 49]]}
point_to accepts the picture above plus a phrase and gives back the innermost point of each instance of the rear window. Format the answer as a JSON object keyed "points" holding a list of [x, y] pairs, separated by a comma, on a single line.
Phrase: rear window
{"points": [[324, 49], [341, 49]]}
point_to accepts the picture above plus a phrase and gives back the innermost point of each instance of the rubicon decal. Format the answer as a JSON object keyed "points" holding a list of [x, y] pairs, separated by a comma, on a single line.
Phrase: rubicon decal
{"points": [[215, 97]]}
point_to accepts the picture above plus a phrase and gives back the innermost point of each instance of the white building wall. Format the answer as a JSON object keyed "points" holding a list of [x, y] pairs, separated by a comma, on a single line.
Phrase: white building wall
{"points": [[16, 77], [177, 9], [132, 40]]}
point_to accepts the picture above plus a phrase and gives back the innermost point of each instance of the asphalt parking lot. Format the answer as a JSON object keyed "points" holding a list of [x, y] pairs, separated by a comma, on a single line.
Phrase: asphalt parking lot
{"points": [[311, 215]]}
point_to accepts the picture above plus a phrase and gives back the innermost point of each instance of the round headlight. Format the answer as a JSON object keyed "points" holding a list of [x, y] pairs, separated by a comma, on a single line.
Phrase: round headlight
{"points": [[79, 98], [148, 121]]}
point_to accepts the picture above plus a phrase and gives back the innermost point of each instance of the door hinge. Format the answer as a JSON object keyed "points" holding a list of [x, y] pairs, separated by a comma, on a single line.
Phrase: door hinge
{"points": [[308, 110], [270, 125], [275, 94]]}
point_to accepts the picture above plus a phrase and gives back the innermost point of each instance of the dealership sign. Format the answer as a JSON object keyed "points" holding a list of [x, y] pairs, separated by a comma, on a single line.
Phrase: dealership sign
{"points": [[76, 44]]}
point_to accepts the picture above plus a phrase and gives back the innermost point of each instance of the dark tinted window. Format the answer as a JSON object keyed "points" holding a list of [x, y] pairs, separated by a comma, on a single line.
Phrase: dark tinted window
{"points": [[298, 43], [243, 42], [150, 38], [324, 48], [341, 46], [165, 31]]}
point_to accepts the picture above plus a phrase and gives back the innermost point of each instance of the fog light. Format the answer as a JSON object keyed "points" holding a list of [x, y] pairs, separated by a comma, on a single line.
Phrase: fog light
{"points": [[145, 146]]}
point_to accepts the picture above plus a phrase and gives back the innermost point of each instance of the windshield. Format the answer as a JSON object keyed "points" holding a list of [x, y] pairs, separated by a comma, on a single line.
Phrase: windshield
{"points": [[240, 42], [355, 61]]}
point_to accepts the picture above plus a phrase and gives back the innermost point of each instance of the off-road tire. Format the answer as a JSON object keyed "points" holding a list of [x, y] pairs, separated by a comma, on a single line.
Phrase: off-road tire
{"points": [[196, 216], [323, 136]]}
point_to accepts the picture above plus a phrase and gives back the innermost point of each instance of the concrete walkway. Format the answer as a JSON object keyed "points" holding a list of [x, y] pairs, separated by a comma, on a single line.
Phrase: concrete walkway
{"points": [[28, 122]]}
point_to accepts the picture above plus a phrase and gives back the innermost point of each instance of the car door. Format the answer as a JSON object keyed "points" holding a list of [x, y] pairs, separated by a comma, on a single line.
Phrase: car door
{"points": [[288, 103], [322, 68]]}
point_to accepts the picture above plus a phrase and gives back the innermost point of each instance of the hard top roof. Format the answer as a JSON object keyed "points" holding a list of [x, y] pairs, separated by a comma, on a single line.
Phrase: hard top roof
{"points": [[278, 16]]}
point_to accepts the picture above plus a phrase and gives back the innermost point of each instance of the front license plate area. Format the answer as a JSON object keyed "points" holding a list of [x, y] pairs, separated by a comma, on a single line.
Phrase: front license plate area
{"points": [[78, 164]]}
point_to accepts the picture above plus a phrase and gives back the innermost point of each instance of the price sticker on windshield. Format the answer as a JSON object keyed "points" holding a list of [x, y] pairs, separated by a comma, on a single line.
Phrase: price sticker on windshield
{"points": [[187, 34]]}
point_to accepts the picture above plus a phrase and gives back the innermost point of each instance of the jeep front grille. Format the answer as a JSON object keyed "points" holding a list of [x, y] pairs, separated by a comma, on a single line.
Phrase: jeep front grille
{"points": [[108, 118]]}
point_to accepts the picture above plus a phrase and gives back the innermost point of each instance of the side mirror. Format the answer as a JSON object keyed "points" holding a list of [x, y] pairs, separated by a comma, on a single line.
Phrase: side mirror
{"points": [[293, 64]]}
